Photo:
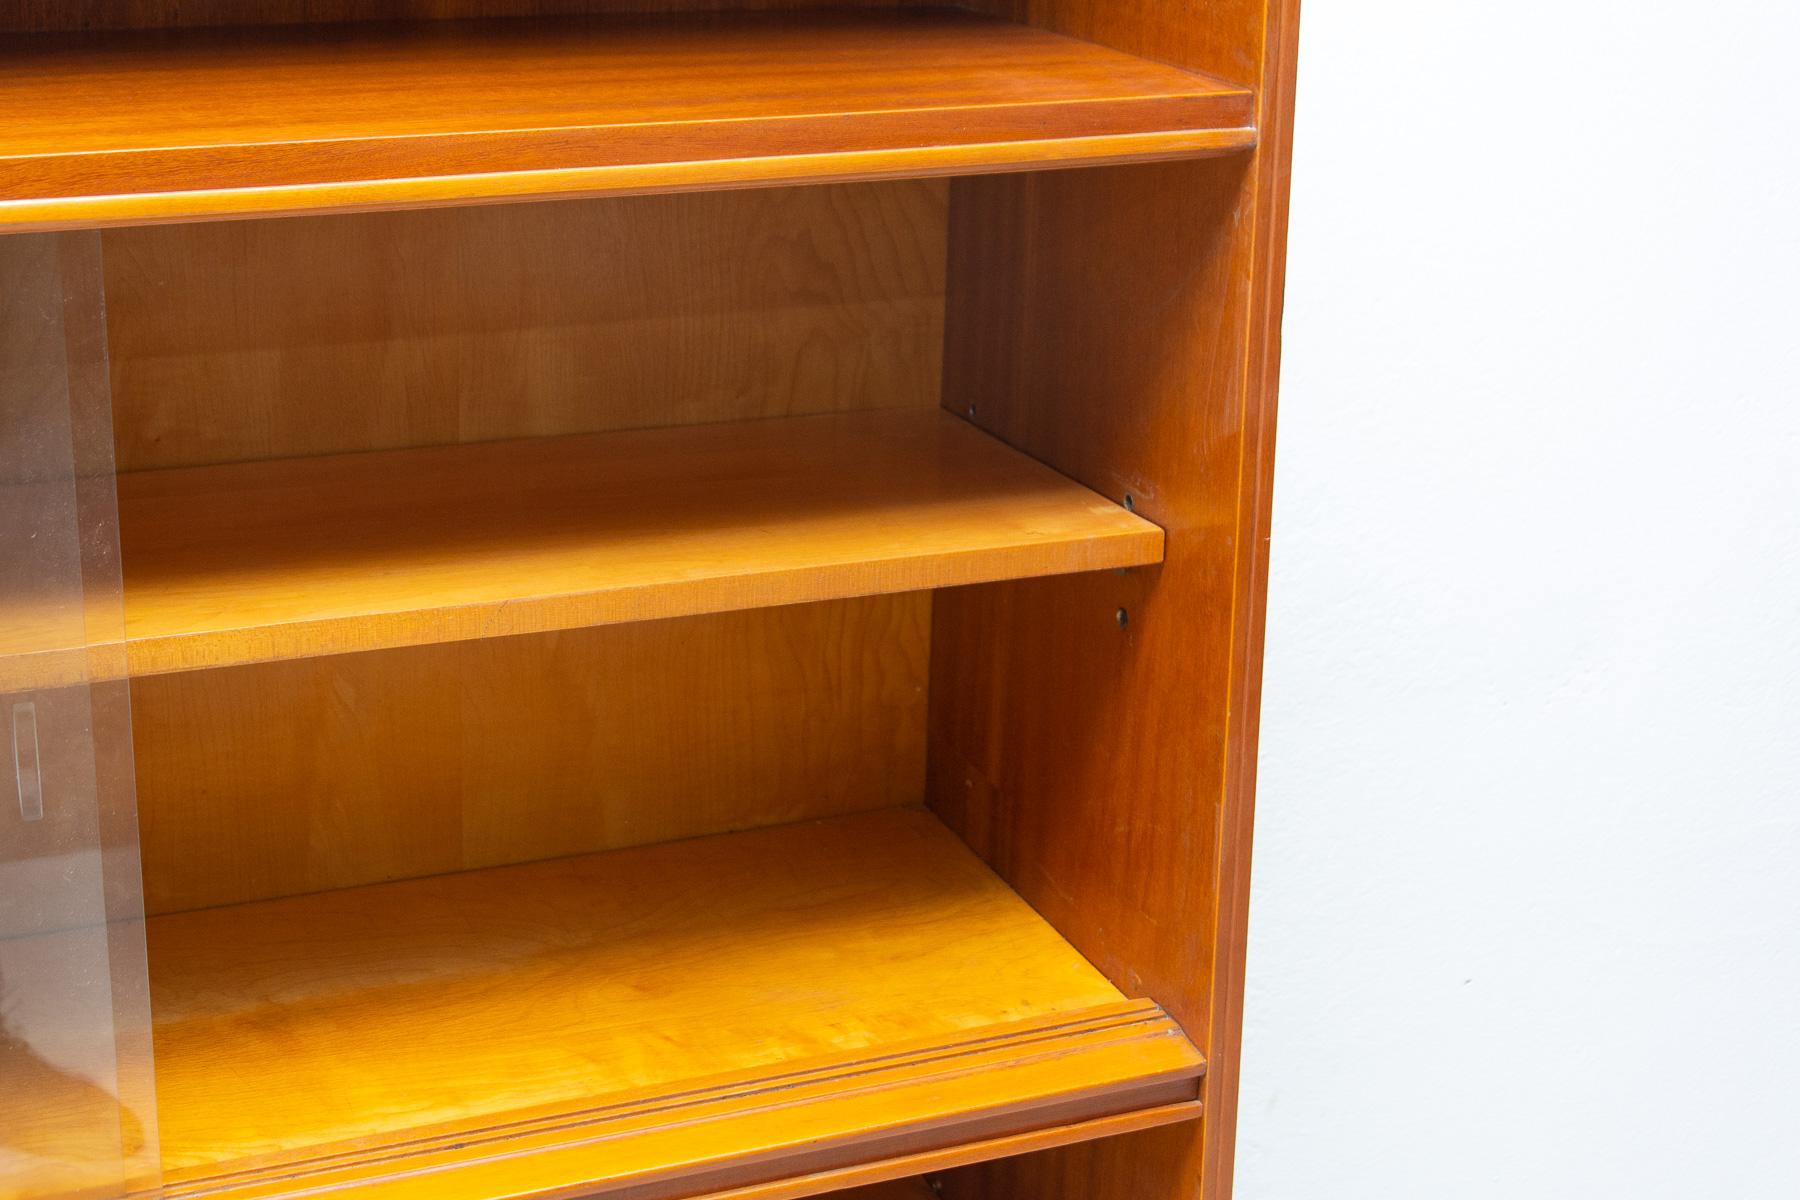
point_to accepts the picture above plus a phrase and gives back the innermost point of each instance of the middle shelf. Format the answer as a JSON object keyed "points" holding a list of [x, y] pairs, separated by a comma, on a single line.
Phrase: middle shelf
{"points": [[849, 994], [262, 561]]}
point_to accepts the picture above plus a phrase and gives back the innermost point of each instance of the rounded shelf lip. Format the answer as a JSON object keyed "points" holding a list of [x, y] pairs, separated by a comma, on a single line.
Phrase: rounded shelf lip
{"points": [[210, 124]]}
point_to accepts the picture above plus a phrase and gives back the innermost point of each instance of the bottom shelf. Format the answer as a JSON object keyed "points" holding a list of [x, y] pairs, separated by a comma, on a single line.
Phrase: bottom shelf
{"points": [[765, 1014]]}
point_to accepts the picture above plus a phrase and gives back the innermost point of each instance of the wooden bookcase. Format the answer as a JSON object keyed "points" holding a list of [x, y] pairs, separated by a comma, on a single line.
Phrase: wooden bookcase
{"points": [[645, 599]]}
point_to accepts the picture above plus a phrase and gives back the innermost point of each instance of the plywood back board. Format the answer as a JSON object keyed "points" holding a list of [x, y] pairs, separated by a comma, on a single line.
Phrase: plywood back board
{"points": [[296, 777], [273, 339]]}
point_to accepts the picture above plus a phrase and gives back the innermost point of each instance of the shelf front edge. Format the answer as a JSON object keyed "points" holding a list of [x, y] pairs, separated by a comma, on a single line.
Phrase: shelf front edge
{"points": [[633, 179], [827, 1121], [259, 562]]}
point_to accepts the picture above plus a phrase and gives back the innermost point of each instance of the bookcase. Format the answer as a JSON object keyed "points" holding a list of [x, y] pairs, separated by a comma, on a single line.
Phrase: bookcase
{"points": [[640, 600]]}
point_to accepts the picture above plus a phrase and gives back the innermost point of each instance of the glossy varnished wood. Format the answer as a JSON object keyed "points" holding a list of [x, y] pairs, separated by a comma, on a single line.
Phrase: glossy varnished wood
{"points": [[126, 128], [1123, 326], [40, 16], [691, 1016], [252, 340], [265, 561], [912, 1188], [277, 339], [773, 1132], [973, 1150], [1083, 759], [1092, 736], [282, 778]]}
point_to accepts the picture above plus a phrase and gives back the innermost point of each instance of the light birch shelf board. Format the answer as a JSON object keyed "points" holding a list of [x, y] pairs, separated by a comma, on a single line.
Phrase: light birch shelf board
{"points": [[664, 1021], [255, 562]]}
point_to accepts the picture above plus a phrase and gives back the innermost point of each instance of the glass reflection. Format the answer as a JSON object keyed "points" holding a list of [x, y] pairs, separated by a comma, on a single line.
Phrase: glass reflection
{"points": [[77, 1101]]}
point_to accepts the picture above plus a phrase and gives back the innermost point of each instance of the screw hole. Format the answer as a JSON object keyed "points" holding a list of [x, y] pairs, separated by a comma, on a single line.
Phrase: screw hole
{"points": [[1122, 617], [971, 412], [1130, 504]]}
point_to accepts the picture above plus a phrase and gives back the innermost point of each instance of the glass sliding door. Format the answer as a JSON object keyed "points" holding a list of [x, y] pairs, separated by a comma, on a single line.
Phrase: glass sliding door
{"points": [[77, 1098]]}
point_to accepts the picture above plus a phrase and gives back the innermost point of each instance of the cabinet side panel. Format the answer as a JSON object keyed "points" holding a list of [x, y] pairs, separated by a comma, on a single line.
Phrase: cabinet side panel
{"points": [[270, 339], [1095, 737], [295, 777], [1083, 757]]}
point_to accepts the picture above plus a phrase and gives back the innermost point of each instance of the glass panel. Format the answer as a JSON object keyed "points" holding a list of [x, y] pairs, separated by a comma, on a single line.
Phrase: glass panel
{"points": [[77, 1100]]}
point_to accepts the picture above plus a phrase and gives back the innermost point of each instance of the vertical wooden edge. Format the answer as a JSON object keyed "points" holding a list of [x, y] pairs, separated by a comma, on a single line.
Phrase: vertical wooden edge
{"points": [[1274, 162]]}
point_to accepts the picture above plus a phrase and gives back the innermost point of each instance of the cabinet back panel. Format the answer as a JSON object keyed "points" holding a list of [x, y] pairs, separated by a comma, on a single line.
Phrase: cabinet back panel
{"points": [[1219, 37], [278, 338], [32, 16], [294, 777], [281, 338]]}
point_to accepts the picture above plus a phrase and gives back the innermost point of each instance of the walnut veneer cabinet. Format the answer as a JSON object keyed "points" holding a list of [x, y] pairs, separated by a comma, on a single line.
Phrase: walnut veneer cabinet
{"points": [[647, 599]]}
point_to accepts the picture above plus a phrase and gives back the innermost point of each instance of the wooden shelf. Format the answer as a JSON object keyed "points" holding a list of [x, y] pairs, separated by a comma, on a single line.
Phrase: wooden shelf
{"points": [[255, 562], [793, 1009], [125, 127]]}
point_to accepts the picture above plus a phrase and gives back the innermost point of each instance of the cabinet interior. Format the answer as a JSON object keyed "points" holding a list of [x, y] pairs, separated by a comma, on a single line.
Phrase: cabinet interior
{"points": [[736, 692]]}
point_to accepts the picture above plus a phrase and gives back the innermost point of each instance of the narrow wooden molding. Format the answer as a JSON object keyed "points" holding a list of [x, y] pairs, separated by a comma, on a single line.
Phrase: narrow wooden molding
{"points": [[1273, 164], [971, 1152], [749, 1127], [645, 179]]}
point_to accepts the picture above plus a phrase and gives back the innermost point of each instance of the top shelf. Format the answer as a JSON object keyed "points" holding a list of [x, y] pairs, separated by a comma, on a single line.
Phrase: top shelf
{"points": [[143, 127]]}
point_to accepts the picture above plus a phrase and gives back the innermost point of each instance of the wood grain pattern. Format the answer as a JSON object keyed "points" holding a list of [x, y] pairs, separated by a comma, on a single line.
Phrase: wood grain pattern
{"points": [[1084, 761], [284, 778], [1122, 325], [912, 1188], [260, 562], [970, 1150], [1232, 39], [256, 339], [41, 16], [1062, 746], [218, 123], [723, 1135], [131, 128], [419, 1018], [1268, 258]]}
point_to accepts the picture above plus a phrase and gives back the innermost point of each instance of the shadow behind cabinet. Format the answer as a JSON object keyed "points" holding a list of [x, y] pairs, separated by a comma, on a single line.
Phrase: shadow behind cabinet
{"points": [[606, 599]]}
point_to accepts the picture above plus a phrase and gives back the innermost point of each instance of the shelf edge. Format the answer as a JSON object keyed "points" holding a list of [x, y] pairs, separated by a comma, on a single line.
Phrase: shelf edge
{"points": [[753, 1133], [637, 179]]}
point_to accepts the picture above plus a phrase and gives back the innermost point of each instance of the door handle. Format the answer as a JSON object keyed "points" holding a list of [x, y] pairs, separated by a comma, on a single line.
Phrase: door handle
{"points": [[26, 762]]}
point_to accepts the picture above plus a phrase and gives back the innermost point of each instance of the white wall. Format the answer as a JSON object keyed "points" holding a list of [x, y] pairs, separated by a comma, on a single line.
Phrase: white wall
{"points": [[1526, 912]]}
